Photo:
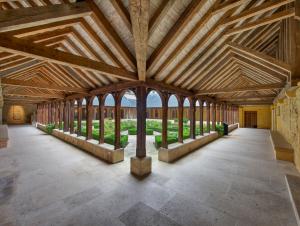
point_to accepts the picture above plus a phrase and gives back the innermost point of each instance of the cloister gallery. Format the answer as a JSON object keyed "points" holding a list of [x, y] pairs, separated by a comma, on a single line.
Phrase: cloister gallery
{"points": [[149, 112]]}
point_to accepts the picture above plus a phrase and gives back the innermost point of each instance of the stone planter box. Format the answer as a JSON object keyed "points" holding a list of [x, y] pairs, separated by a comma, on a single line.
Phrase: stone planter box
{"points": [[3, 136], [105, 152], [178, 150], [233, 127]]}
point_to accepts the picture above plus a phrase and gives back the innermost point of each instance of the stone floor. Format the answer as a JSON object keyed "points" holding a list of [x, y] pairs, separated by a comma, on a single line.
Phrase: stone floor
{"points": [[232, 181]]}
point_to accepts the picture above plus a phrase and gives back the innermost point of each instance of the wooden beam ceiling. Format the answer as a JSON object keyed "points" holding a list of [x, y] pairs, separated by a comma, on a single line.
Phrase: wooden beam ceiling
{"points": [[26, 17], [26, 48]]}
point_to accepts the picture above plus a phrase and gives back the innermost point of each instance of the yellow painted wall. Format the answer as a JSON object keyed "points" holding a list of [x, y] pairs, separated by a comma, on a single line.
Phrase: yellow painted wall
{"points": [[286, 119], [18, 114], [263, 115]]}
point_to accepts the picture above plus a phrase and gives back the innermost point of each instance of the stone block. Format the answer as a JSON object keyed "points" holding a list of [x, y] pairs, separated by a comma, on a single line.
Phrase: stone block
{"points": [[3, 136], [177, 151], [140, 166]]}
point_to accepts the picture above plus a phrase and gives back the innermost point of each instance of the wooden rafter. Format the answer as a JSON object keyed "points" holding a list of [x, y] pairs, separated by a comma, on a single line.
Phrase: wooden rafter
{"points": [[23, 47]]}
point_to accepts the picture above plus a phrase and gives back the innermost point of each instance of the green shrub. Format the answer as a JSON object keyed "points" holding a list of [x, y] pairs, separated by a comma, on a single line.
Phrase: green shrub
{"points": [[50, 127], [185, 120], [132, 131], [170, 140], [149, 131], [110, 139]]}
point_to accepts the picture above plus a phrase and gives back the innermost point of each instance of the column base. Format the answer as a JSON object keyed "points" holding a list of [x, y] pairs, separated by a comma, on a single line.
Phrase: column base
{"points": [[140, 166]]}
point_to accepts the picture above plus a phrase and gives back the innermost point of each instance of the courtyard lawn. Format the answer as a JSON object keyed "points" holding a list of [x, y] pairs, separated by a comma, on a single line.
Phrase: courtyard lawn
{"points": [[152, 126]]}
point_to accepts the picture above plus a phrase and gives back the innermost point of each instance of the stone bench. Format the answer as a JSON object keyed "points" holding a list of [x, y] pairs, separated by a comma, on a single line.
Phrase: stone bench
{"points": [[232, 127], [283, 149], [178, 150], [293, 184], [3, 136], [105, 152]]}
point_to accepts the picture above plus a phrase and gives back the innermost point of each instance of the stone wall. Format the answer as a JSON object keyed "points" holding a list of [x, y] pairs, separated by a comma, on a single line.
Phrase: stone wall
{"points": [[286, 119], [18, 114], [263, 115]]}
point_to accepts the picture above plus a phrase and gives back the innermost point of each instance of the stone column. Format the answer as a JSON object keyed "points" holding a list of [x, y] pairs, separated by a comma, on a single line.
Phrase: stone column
{"points": [[180, 119], [164, 134], [201, 117], [89, 118], [213, 117], [71, 116], [192, 119], [101, 119], [66, 116], [208, 116], [79, 116], [117, 115], [141, 164]]}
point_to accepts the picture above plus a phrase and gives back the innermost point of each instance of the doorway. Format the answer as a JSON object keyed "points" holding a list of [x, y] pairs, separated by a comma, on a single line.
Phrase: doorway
{"points": [[250, 119]]}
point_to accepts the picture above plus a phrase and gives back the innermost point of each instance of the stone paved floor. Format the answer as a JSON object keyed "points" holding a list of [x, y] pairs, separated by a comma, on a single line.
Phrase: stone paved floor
{"points": [[232, 181]]}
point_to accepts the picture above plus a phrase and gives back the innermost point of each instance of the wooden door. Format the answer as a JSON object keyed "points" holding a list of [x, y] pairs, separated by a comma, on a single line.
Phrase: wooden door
{"points": [[250, 119]]}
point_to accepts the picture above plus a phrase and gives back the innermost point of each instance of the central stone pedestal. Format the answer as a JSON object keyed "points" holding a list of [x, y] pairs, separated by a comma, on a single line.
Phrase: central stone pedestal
{"points": [[140, 166]]}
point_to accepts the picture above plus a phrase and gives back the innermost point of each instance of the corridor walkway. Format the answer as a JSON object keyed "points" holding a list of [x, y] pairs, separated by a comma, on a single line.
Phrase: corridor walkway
{"points": [[232, 181]]}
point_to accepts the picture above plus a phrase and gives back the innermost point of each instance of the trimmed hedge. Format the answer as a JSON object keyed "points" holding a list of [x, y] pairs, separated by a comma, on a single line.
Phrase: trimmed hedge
{"points": [[50, 127]]}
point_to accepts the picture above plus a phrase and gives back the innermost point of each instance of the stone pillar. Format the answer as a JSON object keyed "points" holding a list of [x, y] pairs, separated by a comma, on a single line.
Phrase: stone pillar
{"points": [[192, 119], [66, 116], [141, 164], [164, 134], [208, 116], [71, 116], [201, 117], [180, 119], [79, 116], [213, 117], [117, 114], [89, 118], [101, 119]]}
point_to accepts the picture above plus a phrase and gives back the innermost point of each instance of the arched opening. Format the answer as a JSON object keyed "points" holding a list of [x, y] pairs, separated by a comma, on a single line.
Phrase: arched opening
{"points": [[197, 118], [205, 128], [83, 117], [109, 123], [186, 119], [75, 116], [128, 122], [153, 122], [172, 134]]}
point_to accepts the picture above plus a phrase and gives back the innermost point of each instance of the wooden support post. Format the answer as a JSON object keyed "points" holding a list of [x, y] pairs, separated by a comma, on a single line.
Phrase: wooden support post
{"points": [[89, 118], [66, 116], [101, 119], [49, 113], [208, 116], [213, 117], [72, 116], [164, 134], [192, 119], [56, 115], [141, 96], [79, 116], [225, 112], [180, 119], [61, 115], [201, 117], [117, 114]]}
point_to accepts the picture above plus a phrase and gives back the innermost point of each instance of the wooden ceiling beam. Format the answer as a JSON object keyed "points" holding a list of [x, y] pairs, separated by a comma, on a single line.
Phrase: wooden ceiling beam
{"points": [[173, 33], [23, 47], [228, 5], [35, 94], [265, 7], [254, 55], [159, 14], [30, 84], [242, 89], [261, 22], [123, 12], [139, 12], [111, 34], [27, 17]]}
